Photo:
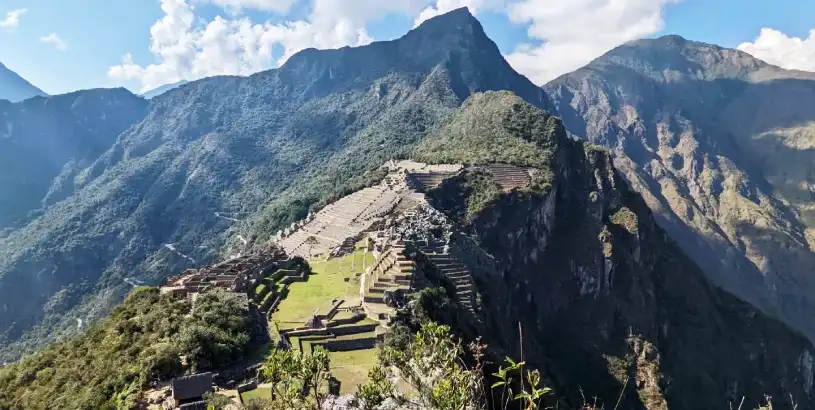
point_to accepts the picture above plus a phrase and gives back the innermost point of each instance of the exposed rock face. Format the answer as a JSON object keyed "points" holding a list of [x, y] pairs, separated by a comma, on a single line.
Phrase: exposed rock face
{"points": [[720, 145], [608, 304]]}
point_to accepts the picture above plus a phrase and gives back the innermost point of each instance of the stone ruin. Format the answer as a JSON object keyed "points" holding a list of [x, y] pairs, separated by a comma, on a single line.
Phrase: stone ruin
{"points": [[238, 274]]}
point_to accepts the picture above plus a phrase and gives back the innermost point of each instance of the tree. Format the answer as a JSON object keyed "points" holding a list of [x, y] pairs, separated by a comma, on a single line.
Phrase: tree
{"points": [[311, 241], [299, 380]]}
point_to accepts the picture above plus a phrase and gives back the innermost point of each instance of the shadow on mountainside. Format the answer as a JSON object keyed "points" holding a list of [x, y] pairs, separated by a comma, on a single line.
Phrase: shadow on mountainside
{"points": [[703, 151]]}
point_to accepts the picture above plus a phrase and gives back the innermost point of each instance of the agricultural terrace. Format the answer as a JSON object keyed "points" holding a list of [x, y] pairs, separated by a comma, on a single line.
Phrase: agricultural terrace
{"points": [[351, 337]]}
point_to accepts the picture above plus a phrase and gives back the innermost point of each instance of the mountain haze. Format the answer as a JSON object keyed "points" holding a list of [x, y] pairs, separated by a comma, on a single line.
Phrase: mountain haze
{"points": [[721, 145], [46, 141], [163, 89], [15, 88], [258, 150]]}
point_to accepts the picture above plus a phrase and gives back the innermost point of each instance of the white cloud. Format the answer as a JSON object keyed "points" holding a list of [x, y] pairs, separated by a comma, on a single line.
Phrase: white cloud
{"points": [[12, 19], [571, 33], [185, 48], [775, 47], [55, 40], [564, 34]]}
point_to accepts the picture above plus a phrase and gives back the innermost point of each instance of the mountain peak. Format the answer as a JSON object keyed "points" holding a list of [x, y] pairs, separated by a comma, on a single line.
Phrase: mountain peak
{"points": [[15, 88], [453, 42], [457, 22], [672, 57]]}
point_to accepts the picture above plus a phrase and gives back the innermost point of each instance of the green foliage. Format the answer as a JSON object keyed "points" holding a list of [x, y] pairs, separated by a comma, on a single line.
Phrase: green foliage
{"points": [[141, 341], [466, 194], [496, 127], [530, 397], [299, 380], [373, 394], [217, 401], [432, 363]]}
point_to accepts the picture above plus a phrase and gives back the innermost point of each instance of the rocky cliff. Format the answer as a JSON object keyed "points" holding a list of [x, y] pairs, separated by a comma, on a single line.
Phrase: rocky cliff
{"points": [[720, 145], [607, 303]]}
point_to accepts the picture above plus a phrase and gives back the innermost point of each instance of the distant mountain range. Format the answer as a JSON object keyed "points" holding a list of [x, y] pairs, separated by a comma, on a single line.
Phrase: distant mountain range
{"points": [[719, 144], [15, 88], [163, 89]]}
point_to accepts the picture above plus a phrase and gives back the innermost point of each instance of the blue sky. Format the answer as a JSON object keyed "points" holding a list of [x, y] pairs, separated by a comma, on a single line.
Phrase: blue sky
{"points": [[97, 33]]}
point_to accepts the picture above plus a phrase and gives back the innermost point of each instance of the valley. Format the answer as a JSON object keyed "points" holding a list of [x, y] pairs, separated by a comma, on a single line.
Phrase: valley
{"points": [[639, 232]]}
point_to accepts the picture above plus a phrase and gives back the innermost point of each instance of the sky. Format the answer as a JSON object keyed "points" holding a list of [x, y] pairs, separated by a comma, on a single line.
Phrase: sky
{"points": [[143, 44]]}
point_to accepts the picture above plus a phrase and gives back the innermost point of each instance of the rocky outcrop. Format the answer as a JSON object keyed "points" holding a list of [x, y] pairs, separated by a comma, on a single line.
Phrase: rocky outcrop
{"points": [[720, 145], [609, 307]]}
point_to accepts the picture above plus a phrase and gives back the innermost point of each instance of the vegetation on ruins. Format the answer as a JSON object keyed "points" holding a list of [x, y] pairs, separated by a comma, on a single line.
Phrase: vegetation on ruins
{"points": [[143, 340], [473, 189], [430, 362]]}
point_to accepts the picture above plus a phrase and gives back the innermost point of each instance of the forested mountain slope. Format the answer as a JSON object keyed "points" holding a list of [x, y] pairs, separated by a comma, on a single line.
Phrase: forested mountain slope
{"points": [[569, 273], [722, 147], [46, 141], [228, 159]]}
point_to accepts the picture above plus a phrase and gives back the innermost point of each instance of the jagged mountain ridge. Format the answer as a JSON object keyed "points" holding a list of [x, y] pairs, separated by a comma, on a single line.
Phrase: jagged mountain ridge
{"points": [[721, 146], [608, 306], [227, 159], [15, 88]]}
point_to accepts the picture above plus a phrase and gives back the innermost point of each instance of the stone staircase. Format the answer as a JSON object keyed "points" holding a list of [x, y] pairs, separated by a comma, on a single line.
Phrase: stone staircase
{"points": [[458, 273], [392, 272]]}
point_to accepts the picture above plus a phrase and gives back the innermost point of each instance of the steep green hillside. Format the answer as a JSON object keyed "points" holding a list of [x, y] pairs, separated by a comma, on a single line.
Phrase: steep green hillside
{"points": [[109, 366], [45, 142], [720, 144], [257, 150], [606, 304]]}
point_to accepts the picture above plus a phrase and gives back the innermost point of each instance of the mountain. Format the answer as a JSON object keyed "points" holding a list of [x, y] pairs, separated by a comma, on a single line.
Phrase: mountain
{"points": [[573, 275], [163, 89], [230, 158], [721, 145], [567, 271], [46, 141], [15, 88]]}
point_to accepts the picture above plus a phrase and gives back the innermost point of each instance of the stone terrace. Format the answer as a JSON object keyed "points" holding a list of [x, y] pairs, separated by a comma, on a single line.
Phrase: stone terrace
{"points": [[237, 274], [392, 273], [334, 224], [510, 176]]}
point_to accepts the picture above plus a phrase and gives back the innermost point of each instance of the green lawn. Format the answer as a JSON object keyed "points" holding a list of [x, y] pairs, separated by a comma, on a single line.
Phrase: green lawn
{"points": [[259, 393], [326, 282], [351, 368]]}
